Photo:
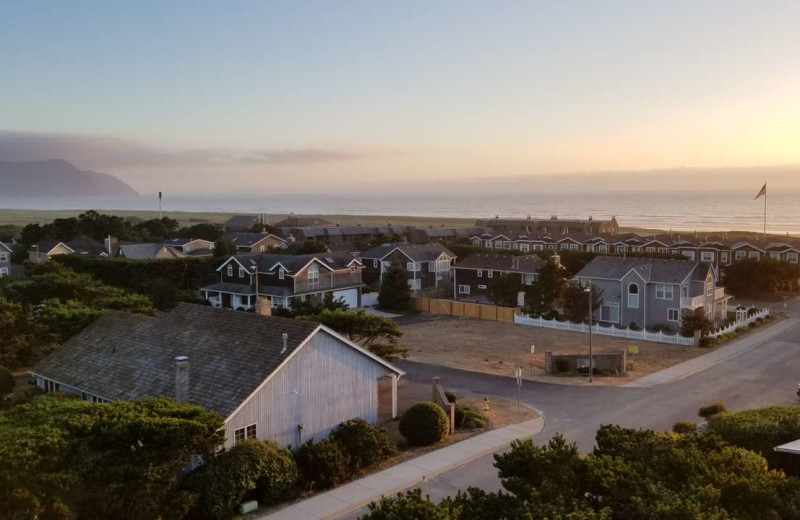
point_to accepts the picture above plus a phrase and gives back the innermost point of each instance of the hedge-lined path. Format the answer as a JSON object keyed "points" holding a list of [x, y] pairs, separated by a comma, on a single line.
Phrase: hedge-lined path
{"points": [[355, 495]]}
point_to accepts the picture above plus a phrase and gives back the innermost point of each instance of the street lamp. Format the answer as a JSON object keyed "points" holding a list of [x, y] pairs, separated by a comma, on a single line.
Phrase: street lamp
{"points": [[588, 291]]}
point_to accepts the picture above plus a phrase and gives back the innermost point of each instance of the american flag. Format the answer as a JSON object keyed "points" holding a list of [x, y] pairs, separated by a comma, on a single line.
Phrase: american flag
{"points": [[763, 191]]}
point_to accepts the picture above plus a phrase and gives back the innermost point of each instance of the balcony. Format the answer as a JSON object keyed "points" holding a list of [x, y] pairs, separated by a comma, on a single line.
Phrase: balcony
{"points": [[328, 281], [719, 293], [692, 303]]}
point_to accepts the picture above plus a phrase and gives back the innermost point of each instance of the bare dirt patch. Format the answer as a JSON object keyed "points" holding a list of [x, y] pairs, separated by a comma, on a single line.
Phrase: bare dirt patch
{"points": [[495, 348]]}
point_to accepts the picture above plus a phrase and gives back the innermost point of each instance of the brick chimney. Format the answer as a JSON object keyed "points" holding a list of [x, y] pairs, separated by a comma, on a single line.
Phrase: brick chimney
{"points": [[181, 378], [263, 306]]}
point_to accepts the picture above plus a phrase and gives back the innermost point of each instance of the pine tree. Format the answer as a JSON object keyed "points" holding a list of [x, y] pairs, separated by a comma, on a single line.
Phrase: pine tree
{"points": [[395, 295]]}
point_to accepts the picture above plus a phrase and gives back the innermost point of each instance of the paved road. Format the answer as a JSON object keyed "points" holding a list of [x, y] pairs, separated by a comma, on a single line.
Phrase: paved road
{"points": [[767, 374]]}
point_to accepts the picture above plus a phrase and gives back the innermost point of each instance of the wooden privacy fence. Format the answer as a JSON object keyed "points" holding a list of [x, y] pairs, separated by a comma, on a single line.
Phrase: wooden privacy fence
{"points": [[478, 311]]}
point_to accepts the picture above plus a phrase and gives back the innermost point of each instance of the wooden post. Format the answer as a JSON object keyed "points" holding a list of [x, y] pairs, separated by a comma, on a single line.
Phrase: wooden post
{"points": [[394, 395]]}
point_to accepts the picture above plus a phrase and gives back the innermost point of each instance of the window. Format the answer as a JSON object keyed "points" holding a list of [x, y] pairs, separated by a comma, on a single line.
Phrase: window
{"points": [[481, 287], [650, 250], [282, 273], [240, 434], [775, 256], [609, 312], [442, 266], [490, 273], [564, 246], [463, 289], [753, 255], [538, 247], [3, 271], [3, 257], [507, 244], [413, 267], [688, 254], [673, 315], [662, 250], [529, 278], [352, 269], [480, 273], [313, 274], [260, 249], [524, 248], [488, 243], [250, 432], [498, 244], [740, 255], [415, 285], [375, 263], [633, 296], [241, 272], [50, 386], [602, 248], [230, 269], [723, 257], [707, 256], [620, 249], [663, 291], [710, 286], [574, 247], [791, 257]]}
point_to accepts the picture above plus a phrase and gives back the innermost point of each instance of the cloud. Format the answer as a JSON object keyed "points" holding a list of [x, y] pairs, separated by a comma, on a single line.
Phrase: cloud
{"points": [[110, 153]]}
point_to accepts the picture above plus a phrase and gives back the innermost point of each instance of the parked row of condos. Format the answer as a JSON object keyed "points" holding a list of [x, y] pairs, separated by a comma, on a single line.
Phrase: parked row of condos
{"points": [[718, 251]]}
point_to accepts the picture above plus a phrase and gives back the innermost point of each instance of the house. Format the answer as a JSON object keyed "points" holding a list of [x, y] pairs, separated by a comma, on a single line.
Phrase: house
{"points": [[268, 378], [284, 278], [337, 235], [255, 242], [147, 251], [293, 221], [551, 227], [5, 259], [652, 292], [242, 222], [473, 275], [445, 235], [197, 247], [83, 245], [427, 266]]}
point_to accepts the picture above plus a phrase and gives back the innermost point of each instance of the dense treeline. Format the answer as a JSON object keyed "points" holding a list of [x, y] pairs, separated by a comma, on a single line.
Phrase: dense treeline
{"points": [[756, 278]]}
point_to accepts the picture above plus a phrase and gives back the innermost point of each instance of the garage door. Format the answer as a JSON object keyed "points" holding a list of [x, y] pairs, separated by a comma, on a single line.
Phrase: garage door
{"points": [[350, 297]]}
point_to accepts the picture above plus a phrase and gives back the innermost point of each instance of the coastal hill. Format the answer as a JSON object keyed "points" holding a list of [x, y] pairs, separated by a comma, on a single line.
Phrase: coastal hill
{"points": [[58, 178]]}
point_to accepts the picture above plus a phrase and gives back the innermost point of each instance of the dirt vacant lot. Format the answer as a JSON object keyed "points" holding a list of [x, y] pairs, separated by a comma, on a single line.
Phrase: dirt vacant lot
{"points": [[494, 347]]}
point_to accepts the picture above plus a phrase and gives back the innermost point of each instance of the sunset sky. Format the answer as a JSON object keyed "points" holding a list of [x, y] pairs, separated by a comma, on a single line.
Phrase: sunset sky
{"points": [[237, 97]]}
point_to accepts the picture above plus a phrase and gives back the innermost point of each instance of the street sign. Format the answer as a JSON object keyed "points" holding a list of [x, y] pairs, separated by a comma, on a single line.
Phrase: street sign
{"points": [[633, 349]]}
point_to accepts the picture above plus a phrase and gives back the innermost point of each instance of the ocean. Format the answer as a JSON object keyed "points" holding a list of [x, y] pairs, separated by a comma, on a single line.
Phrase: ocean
{"points": [[680, 211]]}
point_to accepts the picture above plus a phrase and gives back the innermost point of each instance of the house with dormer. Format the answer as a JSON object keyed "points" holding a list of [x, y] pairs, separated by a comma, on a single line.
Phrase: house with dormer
{"points": [[243, 278], [427, 266]]}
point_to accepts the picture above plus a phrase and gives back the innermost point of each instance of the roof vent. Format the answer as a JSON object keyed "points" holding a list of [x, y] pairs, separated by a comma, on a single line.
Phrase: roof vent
{"points": [[285, 342]]}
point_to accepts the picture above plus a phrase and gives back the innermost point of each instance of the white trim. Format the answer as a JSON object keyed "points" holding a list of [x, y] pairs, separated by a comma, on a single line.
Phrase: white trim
{"points": [[463, 289], [678, 311], [228, 261]]}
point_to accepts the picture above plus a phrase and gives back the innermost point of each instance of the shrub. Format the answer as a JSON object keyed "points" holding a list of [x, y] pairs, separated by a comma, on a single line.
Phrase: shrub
{"points": [[715, 408], [475, 418], [561, 365], [760, 430], [706, 341], [741, 330], [451, 396], [459, 415], [753, 325], [634, 326], [322, 465], [684, 427], [251, 468], [362, 443], [6, 381], [423, 424]]}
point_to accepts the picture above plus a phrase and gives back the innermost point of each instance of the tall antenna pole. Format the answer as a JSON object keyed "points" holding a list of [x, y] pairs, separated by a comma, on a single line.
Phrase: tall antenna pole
{"points": [[160, 216], [765, 210]]}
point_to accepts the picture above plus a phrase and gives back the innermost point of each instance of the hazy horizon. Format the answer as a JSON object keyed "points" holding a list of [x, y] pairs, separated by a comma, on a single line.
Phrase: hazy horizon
{"points": [[364, 97]]}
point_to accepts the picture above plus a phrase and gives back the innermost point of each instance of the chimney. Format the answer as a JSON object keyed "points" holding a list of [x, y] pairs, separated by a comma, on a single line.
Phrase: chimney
{"points": [[181, 378], [263, 306], [285, 342], [107, 245]]}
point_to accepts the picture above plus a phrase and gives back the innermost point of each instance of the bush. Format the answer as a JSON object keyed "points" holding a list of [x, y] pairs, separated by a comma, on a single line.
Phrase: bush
{"points": [[741, 330], [6, 381], [322, 465], [760, 430], [561, 365], [634, 326], [684, 427], [459, 415], [715, 408], [362, 443], [706, 341], [451, 396], [423, 424], [260, 469], [474, 417]]}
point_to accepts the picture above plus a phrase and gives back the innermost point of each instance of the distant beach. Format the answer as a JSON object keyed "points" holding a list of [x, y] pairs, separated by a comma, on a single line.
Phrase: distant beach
{"points": [[680, 211]]}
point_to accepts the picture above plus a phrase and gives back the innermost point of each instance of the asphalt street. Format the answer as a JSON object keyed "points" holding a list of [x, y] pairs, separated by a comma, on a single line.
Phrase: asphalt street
{"points": [[764, 375]]}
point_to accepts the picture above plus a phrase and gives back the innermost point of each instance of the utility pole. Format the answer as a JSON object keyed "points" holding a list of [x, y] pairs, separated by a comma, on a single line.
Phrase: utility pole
{"points": [[588, 290], [160, 215]]}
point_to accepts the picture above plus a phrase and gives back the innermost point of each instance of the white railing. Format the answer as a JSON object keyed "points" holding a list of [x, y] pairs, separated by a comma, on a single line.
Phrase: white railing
{"points": [[642, 335], [692, 303], [763, 313]]}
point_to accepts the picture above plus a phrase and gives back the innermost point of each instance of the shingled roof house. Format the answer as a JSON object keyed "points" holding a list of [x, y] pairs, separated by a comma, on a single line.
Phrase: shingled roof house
{"points": [[269, 378], [83, 245], [427, 265], [653, 293], [472, 275], [255, 242], [282, 278], [5, 259]]}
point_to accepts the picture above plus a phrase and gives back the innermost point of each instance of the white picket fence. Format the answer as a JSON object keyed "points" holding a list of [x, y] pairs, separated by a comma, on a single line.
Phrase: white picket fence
{"points": [[763, 313], [642, 335]]}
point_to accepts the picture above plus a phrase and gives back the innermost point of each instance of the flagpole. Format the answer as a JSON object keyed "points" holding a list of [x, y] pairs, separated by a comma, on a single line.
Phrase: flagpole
{"points": [[765, 210]]}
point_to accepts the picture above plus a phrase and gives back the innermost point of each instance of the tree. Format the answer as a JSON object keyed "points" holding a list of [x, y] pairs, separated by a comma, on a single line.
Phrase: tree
{"points": [[224, 248], [575, 301], [695, 320], [378, 334], [395, 294], [204, 231], [542, 296], [64, 457], [22, 339], [6, 382], [757, 278], [504, 290]]}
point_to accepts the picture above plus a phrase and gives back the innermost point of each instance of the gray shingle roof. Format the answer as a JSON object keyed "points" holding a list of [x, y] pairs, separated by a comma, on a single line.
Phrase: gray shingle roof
{"points": [[248, 239], [145, 251], [241, 222], [416, 252], [500, 262], [126, 356], [651, 269], [293, 263]]}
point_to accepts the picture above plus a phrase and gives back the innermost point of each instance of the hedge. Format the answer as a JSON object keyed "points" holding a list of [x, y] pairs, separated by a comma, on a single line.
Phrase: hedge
{"points": [[362, 443], [321, 464], [761, 430], [715, 408], [425, 423]]}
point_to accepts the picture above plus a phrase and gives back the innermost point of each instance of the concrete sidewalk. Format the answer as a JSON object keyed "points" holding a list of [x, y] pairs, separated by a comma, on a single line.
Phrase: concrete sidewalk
{"points": [[355, 495], [703, 362]]}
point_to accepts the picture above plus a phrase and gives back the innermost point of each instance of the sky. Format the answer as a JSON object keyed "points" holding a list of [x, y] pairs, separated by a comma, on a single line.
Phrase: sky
{"points": [[337, 96]]}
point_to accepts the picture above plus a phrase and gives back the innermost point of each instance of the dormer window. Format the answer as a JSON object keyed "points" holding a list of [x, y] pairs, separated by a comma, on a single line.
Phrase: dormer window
{"points": [[241, 272], [281, 274], [313, 274], [230, 269]]}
